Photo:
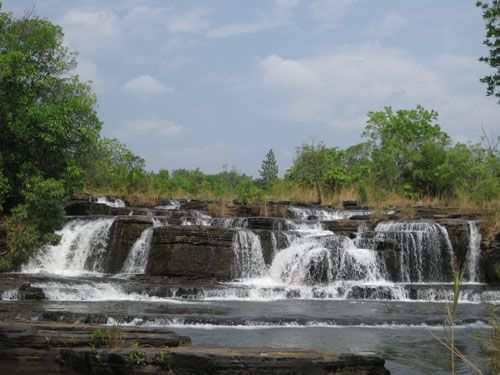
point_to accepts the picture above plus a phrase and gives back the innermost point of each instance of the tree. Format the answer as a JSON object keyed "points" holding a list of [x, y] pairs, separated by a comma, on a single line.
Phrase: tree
{"points": [[491, 16], [269, 169], [48, 121], [318, 167], [398, 141]]}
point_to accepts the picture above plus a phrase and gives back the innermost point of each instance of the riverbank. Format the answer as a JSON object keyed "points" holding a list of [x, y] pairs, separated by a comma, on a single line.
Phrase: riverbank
{"points": [[329, 280]]}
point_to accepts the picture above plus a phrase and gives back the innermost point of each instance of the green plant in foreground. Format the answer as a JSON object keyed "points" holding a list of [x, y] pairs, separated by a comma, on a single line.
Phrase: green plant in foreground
{"points": [[449, 343], [135, 356]]}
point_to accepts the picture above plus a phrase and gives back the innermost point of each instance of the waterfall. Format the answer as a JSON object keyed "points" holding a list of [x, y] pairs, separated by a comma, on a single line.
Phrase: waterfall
{"points": [[426, 253], [115, 202], [326, 259], [323, 214], [196, 218], [229, 222], [137, 258], [171, 205], [248, 257], [474, 251], [82, 245]]}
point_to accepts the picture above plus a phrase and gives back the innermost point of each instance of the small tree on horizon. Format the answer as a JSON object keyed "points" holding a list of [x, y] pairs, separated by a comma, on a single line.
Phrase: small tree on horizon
{"points": [[269, 169]]}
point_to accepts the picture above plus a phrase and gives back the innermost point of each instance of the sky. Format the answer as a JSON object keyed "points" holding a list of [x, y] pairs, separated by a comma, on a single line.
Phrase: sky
{"points": [[216, 84]]}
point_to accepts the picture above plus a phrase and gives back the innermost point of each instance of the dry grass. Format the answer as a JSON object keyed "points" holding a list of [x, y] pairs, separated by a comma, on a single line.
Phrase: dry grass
{"points": [[376, 199]]}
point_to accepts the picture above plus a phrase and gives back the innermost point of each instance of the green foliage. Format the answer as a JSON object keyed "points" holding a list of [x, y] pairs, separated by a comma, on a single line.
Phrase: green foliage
{"points": [[4, 189], [491, 16], [98, 338], [106, 337], [319, 167], [407, 147], [269, 169], [47, 116], [44, 203], [135, 356]]}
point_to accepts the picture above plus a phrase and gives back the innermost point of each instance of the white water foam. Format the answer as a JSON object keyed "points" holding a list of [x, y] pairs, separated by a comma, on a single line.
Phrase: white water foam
{"points": [[253, 325], [426, 251], [474, 252], [115, 202], [94, 292], [324, 214], [171, 205], [82, 245], [137, 257], [248, 258]]}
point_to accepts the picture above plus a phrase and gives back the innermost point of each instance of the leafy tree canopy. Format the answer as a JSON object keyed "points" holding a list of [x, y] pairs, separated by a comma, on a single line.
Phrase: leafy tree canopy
{"points": [[269, 169], [491, 16]]}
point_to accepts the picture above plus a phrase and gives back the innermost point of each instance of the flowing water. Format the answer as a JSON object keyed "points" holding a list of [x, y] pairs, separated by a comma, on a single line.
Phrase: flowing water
{"points": [[115, 202], [81, 248], [322, 291], [473, 255]]}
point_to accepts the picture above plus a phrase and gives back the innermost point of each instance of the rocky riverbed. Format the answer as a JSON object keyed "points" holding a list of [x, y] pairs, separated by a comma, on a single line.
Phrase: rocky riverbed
{"points": [[188, 290]]}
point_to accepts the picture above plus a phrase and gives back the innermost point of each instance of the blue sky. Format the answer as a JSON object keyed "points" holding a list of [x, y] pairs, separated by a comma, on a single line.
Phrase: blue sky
{"points": [[217, 83]]}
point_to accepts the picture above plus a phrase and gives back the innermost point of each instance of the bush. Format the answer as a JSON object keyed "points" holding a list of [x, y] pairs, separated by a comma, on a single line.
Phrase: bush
{"points": [[44, 203]]}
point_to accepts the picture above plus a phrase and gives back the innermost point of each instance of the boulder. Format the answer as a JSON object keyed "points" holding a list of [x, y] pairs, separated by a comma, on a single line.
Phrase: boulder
{"points": [[191, 251]]}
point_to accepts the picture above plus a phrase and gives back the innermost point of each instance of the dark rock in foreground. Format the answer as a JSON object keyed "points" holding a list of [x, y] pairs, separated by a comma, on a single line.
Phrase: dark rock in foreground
{"points": [[214, 361], [79, 349]]}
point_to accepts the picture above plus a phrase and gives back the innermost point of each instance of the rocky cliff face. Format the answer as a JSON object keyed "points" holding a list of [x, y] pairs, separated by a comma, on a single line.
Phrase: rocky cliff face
{"points": [[192, 251], [123, 234]]}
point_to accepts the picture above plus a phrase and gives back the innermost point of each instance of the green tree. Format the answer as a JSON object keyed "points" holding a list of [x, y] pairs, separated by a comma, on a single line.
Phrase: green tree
{"points": [[398, 141], [491, 16], [269, 169], [318, 167], [47, 116]]}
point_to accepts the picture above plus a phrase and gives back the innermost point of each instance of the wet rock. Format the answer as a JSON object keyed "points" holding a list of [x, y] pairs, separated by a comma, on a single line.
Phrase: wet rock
{"points": [[347, 227], [491, 259], [193, 251], [81, 349], [367, 292], [122, 236], [215, 361], [26, 292], [458, 233]]}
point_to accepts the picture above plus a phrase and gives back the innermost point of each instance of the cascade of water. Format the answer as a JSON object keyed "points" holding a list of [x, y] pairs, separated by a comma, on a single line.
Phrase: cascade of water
{"points": [[197, 218], [171, 205], [115, 202], [474, 251], [323, 214], [82, 243], [426, 252], [326, 259], [248, 257], [137, 258], [229, 222]]}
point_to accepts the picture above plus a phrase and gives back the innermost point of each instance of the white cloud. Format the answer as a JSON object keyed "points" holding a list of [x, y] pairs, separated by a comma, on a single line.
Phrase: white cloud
{"points": [[145, 85], [193, 21], [391, 24], [90, 31], [87, 70], [153, 128], [339, 89], [330, 13]]}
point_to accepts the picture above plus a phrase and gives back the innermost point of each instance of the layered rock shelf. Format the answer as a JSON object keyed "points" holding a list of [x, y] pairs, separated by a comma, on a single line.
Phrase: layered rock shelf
{"points": [[27, 348]]}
